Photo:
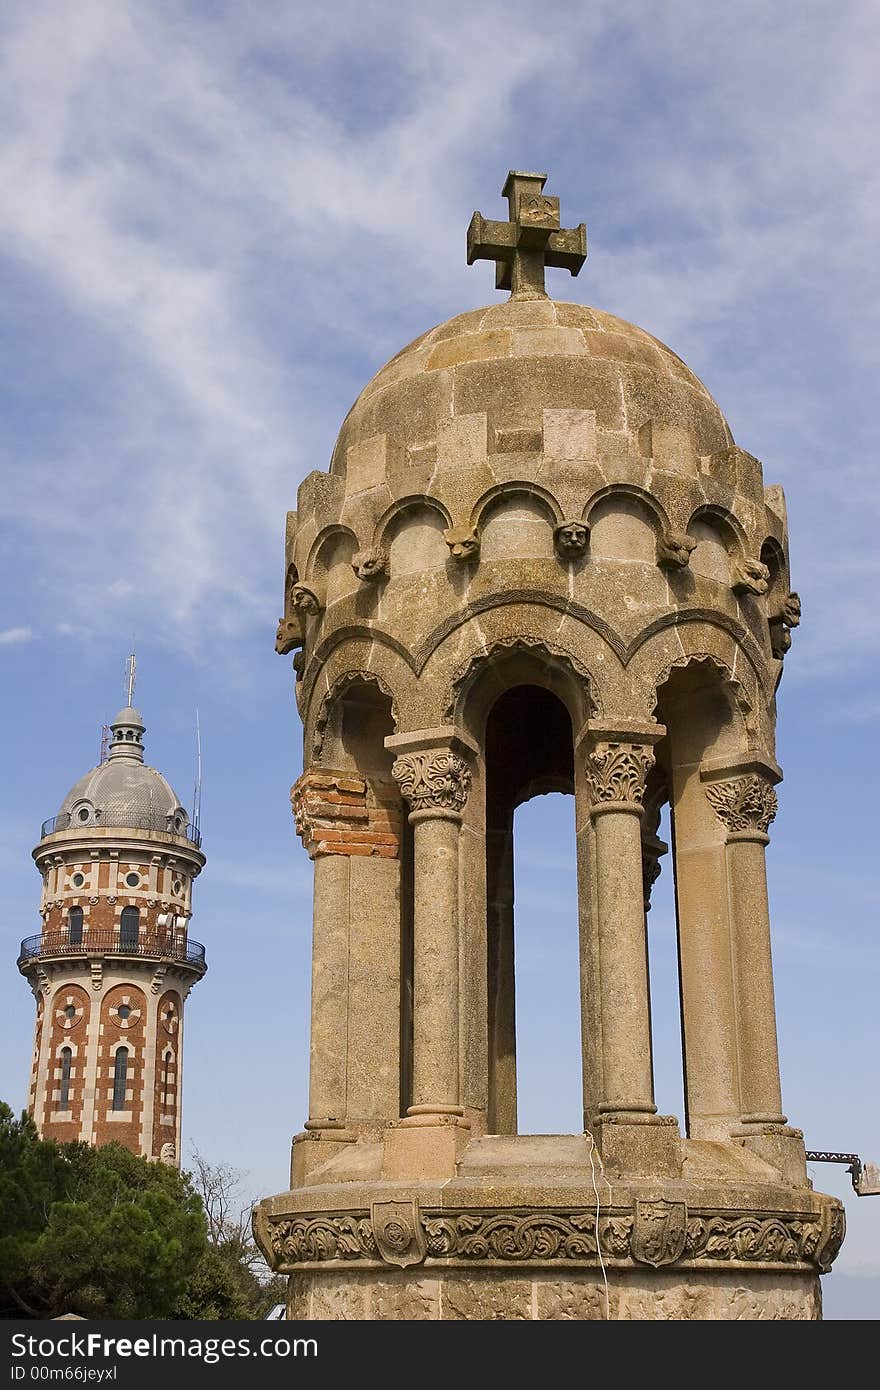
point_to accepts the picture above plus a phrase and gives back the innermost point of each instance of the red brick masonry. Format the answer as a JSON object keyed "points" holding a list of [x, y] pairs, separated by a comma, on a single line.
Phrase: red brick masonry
{"points": [[337, 813]]}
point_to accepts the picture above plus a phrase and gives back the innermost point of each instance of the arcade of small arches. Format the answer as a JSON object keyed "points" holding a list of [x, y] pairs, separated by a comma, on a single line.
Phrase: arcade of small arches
{"points": [[684, 540]]}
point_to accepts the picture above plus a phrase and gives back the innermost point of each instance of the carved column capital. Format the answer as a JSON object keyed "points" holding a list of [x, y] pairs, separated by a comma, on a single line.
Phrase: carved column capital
{"points": [[433, 780], [743, 804], [616, 773]]}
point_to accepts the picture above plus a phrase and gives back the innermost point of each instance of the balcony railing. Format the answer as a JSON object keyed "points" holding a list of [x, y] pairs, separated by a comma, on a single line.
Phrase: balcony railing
{"points": [[128, 820], [149, 945]]}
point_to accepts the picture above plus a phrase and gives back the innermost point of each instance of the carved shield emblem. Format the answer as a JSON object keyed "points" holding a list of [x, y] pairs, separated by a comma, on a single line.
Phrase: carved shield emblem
{"points": [[400, 1239], [659, 1232]]}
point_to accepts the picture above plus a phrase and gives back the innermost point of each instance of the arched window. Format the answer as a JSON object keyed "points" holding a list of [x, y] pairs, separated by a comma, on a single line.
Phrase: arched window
{"points": [[120, 1077], [129, 927], [167, 1076], [64, 1093], [75, 926]]}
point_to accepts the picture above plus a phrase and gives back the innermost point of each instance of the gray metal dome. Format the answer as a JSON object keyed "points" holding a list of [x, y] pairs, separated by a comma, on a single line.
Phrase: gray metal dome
{"points": [[118, 788], [124, 790]]}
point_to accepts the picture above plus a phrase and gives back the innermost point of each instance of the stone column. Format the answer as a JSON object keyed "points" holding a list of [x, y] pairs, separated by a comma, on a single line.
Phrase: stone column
{"points": [[435, 780], [354, 1054], [746, 805], [617, 766]]}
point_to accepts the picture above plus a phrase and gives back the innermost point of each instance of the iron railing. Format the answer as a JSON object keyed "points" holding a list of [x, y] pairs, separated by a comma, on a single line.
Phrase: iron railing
{"points": [[151, 945], [128, 820]]}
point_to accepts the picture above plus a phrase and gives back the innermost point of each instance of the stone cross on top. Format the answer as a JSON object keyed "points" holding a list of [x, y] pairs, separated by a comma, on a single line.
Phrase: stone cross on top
{"points": [[529, 241]]}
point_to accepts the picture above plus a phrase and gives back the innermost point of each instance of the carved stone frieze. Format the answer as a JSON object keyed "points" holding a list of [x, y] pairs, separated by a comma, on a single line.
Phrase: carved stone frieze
{"points": [[654, 1232], [617, 772], [744, 803], [433, 780], [674, 549], [463, 542], [571, 539]]}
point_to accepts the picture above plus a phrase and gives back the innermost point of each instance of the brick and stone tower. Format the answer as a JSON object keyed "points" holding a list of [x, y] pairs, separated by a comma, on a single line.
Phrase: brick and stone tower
{"points": [[113, 965]]}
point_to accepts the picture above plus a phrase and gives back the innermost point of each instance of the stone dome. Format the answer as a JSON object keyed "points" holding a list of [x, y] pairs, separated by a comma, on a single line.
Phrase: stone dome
{"points": [[515, 359]]}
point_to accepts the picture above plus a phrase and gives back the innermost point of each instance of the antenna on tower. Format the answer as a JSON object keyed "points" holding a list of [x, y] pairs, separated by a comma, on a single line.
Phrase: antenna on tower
{"points": [[130, 678], [197, 790]]}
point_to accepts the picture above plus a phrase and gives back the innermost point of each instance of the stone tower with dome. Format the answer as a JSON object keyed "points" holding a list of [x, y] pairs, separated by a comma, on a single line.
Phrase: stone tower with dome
{"points": [[539, 562], [114, 962]]}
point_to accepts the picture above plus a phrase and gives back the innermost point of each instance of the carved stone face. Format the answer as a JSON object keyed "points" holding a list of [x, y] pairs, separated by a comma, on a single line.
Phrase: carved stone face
{"points": [[304, 600], [370, 565], [464, 544], [791, 610], [674, 549], [751, 577], [289, 635], [780, 639], [571, 539]]}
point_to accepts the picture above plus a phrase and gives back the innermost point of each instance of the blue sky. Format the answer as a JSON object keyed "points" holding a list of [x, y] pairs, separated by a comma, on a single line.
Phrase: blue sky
{"points": [[219, 221]]}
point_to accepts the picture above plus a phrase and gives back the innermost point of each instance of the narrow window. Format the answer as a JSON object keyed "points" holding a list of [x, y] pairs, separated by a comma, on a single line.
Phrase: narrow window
{"points": [[167, 1078], [120, 1076], [64, 1096], [129, 927], [75, 926]]}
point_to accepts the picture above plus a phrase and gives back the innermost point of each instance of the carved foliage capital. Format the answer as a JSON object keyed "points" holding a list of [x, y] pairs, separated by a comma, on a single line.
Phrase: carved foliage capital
{"points": [[743, 803], [434, 780], [617, 772]]}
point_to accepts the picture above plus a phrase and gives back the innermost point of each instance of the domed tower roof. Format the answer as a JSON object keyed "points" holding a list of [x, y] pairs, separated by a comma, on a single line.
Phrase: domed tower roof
{"points": [[517, 359], [124, 791]]}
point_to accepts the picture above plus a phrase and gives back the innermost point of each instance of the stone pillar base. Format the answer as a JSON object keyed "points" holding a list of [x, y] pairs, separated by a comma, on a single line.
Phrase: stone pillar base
{"points": [[646, 1144], [778, 1145], [519, 1295], [532, 1227], [315, 1147], [424, 1147]]}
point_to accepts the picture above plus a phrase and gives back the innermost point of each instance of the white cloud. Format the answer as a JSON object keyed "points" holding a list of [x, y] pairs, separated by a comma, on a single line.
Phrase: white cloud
{"points": [[12, 636], [233, 214]]}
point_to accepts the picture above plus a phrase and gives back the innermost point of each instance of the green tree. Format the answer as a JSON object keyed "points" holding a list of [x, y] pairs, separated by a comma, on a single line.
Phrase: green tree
{"points": [[95, 1231], [232, 1280]]}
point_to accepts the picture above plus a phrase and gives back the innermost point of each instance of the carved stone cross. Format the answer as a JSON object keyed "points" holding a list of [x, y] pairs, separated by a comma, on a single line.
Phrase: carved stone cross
{"points": [[529, 241]]}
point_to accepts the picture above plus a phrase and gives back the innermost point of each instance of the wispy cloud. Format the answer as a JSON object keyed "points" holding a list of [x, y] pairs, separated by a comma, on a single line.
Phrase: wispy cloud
{"points": [[227, 222], [13, 636]]}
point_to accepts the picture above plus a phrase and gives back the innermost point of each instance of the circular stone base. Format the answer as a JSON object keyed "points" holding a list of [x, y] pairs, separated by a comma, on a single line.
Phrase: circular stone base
{"points": [[637, 1295]]}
